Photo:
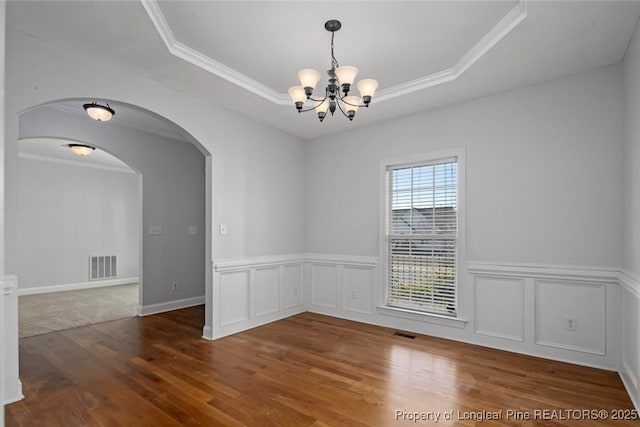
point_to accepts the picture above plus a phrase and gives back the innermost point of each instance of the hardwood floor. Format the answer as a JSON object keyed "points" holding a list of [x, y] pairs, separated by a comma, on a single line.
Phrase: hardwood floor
{"points": [[305, 370]]}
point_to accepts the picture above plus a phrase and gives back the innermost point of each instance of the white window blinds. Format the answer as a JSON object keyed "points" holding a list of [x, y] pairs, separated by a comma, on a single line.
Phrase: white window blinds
{"points": [[422, 236]]}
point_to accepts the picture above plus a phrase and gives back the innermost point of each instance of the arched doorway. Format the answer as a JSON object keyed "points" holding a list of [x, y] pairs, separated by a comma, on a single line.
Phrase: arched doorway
{"points": [[79, 228], [176, 174]]}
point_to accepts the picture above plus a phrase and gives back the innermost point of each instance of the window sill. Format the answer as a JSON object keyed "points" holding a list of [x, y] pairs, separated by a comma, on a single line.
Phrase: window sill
{"points": [[453, 322]]}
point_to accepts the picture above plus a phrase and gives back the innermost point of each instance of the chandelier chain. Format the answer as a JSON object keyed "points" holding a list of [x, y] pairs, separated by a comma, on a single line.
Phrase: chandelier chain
{"points": [[334, 61]]}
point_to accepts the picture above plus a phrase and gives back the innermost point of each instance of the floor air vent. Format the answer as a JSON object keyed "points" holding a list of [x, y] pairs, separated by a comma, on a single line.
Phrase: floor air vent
{"points": [[405, 335], [103, 267]]}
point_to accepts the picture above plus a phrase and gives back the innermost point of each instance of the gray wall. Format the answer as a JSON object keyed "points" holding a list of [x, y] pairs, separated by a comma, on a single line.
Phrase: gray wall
{"points": [[8, 352], [543, 173], [631, 259], [173, 196], [258, 172], [632, 155], [69, 212]]}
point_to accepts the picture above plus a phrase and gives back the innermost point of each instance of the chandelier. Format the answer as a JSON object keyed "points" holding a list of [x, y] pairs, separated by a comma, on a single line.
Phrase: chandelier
{"points": [[340, 78], [81, 149], [101, 113]]}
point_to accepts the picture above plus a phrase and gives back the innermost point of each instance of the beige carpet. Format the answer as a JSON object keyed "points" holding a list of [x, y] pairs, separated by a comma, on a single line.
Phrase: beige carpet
{"points": [[43, 313]]}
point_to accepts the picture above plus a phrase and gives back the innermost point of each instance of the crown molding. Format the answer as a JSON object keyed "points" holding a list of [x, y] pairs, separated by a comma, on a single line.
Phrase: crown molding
{"points": [[206, 63], [510, 21], [484, 45]]}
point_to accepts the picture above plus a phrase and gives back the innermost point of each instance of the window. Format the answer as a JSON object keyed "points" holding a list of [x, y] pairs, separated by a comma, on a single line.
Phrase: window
{"points": [[422, 236]]}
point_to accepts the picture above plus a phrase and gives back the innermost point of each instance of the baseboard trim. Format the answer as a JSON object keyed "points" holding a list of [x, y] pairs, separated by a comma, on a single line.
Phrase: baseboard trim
{"points": [[234, 328], [14, 394], [77, 286], [207, 333], [147, 310], [631, 391]]}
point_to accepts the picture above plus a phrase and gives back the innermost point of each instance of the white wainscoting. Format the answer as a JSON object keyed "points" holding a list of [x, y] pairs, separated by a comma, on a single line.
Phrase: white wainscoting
{"points": [[235, 297], [357, 292], [12, 386], [292, 288], [267, 291], [326, 285], [250, 292], [341, 286], [516, 307], [559, 303], [564, 313], [630, 338], [503, 295]]}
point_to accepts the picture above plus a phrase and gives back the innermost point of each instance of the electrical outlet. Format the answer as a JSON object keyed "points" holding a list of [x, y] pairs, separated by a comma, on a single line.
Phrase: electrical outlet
{"points": [[174, 286], [295, 291], [571, 323], [354, 295]]}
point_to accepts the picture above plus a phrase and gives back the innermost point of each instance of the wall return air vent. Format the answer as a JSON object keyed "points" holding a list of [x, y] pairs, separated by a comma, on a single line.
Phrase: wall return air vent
{"points": [[103, 267]]}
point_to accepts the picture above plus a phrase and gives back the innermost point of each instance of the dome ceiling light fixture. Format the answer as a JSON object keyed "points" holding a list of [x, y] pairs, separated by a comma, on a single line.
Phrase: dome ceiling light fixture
{"points": [[81, 149], [99, 112], [340, 77]]}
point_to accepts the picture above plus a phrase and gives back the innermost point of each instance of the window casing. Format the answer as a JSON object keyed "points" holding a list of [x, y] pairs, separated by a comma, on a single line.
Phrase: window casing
{"points": [[422, 236]]}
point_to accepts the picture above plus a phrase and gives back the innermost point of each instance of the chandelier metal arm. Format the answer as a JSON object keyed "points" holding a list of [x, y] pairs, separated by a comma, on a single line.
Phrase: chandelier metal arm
{"points": [[319, 101], [348, 116], [341, 98]]}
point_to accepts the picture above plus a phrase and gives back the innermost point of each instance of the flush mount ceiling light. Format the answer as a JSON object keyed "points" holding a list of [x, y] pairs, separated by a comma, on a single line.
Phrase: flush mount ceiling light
{"points": [[340, 77], [81, 150], [99, 112]]}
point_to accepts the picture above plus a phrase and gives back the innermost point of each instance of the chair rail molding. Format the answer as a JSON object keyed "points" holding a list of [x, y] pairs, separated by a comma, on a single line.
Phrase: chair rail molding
{"points": [[630, 281], [237, 264], [551, 271]]}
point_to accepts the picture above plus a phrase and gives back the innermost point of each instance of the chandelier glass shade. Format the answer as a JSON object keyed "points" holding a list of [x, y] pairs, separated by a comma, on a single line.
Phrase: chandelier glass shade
{"points": [[337, 93], [101, 113], [81, 149]]}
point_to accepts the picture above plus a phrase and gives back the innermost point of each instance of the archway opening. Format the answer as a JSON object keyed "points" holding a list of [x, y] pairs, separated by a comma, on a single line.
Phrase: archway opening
{"points": [[79, 228], [175, 176]]}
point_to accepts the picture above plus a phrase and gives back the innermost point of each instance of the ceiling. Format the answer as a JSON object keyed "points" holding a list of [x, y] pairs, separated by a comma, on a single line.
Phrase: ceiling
{"points": [[126, 116], [243, 55], [58, 149]]}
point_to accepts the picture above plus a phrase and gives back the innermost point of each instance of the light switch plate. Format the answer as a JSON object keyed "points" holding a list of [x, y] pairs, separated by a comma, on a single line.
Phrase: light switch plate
{"points": [[223, 229], [193, 230], [155, 230]]}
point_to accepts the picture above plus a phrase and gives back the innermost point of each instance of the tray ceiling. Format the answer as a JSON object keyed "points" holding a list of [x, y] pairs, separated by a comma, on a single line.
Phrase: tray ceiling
{"points": [[243, 55]]}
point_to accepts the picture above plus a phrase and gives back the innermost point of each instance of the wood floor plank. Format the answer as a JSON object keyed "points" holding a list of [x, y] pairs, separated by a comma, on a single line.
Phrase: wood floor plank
{"points": [[307, 370]]}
